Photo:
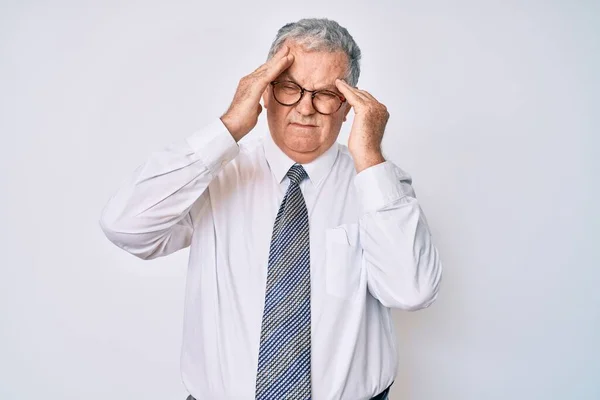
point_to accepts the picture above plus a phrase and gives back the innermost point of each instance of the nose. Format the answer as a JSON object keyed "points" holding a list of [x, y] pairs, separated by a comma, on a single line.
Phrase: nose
{"points": [[305, 106]]}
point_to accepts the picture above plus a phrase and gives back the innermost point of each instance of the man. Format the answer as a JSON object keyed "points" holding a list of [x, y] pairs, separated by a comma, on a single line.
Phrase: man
{"points": [[299, 246]]}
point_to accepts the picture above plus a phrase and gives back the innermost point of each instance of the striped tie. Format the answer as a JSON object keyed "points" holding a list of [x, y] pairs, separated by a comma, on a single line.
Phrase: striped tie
{"points": [[284, 355]]}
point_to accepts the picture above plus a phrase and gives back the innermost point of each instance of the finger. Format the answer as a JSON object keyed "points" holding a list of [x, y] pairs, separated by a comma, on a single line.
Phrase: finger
{"points": [[281, 53], [362, 95], [261, 79], [369, 96], [277, 68], [349, 92]]}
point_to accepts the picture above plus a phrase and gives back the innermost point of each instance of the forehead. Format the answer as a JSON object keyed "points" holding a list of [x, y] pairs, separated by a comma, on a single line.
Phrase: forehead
{"points": [[316, 69]]}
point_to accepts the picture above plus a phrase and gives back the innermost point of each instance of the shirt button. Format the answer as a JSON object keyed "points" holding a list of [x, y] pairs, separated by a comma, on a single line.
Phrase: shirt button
{"points": [[224, 162]]}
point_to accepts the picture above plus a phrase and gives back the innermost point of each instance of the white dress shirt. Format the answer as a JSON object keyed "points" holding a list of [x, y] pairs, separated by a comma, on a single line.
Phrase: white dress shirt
{"points": [[370, 249]]}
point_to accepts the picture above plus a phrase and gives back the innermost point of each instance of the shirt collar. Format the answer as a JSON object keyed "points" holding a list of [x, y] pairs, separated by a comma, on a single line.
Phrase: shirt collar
{"points": [[280, 163]]}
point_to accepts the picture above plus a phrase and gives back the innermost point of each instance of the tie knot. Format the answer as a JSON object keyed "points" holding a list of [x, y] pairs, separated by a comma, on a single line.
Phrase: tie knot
{"points": [[297, 174]]}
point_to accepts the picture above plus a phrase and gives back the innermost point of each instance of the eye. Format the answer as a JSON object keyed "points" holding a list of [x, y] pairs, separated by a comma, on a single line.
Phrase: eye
{"points": [[325, 95], [289, 86]]}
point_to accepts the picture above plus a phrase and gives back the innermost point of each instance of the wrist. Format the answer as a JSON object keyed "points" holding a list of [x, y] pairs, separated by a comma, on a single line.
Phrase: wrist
{"points": [[231, 126], [366, 160]]}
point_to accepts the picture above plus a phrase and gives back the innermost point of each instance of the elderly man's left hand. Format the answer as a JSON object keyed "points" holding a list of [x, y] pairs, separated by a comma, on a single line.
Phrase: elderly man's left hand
{"points": [[368, 127]]}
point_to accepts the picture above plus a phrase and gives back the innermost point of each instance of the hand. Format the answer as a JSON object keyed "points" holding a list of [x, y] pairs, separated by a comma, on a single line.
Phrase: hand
{"points": [[370, 119], [245, 108]]}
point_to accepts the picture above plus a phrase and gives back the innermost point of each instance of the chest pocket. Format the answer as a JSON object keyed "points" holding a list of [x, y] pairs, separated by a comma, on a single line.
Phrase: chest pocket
{"points": [[343, 261]]}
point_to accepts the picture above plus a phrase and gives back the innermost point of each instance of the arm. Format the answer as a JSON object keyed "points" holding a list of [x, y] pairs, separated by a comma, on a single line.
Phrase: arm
{"points": [[403, 266], [149, 216]]}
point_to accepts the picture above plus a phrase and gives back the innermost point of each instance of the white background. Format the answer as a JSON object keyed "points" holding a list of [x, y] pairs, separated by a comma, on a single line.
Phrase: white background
{"points": [[494, 112]]}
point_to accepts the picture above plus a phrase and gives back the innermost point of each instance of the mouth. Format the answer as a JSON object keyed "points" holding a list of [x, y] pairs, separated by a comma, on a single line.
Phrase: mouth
{"points": [[304, 126]]}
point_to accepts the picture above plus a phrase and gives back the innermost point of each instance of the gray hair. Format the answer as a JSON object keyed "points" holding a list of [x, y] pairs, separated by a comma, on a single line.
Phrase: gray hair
{"points": [[321, 34]]}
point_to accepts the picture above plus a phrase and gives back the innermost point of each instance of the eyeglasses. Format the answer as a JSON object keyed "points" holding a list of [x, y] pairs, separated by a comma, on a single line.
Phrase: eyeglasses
{"points": [[288, 93]]}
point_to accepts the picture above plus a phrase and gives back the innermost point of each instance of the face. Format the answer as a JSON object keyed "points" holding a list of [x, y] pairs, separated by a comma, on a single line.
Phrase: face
{"points": [[300, 131]]}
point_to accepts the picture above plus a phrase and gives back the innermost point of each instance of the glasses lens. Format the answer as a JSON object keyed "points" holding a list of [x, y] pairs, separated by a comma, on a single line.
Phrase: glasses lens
{"points": [[326, 102], [287, 93]]}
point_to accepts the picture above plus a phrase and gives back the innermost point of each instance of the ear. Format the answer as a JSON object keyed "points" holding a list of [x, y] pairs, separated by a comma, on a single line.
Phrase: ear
{"points": [[348, 107]]}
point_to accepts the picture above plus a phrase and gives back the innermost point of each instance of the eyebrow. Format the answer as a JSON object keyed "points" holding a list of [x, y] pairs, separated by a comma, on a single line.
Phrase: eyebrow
{"points": [[330, 87]]}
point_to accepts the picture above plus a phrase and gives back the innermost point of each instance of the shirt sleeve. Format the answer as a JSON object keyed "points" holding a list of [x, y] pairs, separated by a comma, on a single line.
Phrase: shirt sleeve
{"points": [[403, 266], [149, 215]]}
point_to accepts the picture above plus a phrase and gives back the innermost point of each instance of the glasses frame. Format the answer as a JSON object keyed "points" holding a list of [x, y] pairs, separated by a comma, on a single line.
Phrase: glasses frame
{"points": [[312, 96]]}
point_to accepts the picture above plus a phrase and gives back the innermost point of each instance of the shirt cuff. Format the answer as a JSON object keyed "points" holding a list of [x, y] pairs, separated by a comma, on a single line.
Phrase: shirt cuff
{"points": [[214, 146], [380, 185]]}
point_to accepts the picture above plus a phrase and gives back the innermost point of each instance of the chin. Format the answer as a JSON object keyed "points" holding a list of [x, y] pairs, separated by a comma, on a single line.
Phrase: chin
{"points": [[302, 144]]}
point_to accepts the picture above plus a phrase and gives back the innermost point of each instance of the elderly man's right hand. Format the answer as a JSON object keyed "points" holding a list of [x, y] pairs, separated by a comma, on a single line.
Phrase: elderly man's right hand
{"points": [[245, 108]]}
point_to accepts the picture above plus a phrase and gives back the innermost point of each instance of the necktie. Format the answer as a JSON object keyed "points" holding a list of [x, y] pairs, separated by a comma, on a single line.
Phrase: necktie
{"points": [[284, 354]]}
